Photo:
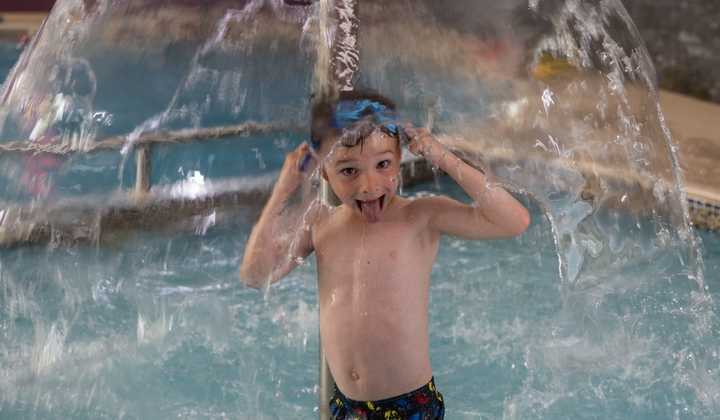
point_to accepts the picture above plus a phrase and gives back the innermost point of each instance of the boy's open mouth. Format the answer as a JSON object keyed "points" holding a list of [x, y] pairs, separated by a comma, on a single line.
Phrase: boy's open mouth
{"points": [[371, 209]]}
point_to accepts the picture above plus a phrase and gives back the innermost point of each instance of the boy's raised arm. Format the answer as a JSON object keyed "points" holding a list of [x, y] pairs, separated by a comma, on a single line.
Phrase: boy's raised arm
{"points": [[282, 234], [495, 213]]}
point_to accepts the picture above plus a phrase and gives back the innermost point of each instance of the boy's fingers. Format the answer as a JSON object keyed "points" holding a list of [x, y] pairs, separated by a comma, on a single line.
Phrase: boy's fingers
{"points": [[410, 130], [298, 152], [300, 149], [415, 133], [303, 157]]}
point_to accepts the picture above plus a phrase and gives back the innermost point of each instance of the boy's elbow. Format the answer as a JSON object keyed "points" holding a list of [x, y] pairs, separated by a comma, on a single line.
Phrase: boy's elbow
{"points": [[516, 226], [523, 223], [250, 277]]}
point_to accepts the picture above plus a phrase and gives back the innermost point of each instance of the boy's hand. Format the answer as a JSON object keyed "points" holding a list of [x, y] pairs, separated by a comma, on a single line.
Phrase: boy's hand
{"points": [[422, 143], [291, 175]]}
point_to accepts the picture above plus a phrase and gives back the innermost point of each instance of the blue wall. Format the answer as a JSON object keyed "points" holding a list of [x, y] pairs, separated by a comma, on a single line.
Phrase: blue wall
{"points": [[8, 55]]}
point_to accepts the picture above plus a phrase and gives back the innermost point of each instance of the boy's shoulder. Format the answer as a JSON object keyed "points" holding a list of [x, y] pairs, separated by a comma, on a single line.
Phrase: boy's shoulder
{"points": [[415, 210], [325, 217], [427, 204]]}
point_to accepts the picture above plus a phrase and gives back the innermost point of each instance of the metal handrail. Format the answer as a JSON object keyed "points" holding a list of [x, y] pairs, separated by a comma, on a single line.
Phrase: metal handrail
{"points": [[190, 135]]}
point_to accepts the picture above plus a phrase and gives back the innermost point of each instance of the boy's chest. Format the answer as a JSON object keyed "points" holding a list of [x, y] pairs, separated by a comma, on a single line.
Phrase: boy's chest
{"points": [[384, 249]]}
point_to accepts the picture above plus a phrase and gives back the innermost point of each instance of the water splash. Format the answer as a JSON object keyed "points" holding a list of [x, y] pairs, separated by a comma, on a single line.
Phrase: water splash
{"points": [[603, 308]]}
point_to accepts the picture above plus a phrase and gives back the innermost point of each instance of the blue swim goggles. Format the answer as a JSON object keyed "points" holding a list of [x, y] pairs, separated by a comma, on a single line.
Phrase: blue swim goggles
{"points": [[350, 112], [357, 119]]}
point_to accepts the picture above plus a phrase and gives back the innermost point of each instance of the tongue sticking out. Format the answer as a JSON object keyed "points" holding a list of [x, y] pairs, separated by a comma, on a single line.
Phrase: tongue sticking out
{"points": [[371, 209]]}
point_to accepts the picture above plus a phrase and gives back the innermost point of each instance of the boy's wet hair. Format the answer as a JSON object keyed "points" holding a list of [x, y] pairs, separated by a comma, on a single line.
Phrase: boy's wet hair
{"points": [[372, 111]]}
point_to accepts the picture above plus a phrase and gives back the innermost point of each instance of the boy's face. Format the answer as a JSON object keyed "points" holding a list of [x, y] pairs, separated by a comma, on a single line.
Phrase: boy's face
{"points": [[365, 177]]}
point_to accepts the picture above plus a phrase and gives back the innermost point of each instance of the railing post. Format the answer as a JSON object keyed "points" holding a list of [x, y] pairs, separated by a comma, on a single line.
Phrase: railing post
{"points": [[327, 383], [327, 386], [344, 63], [143, 171]]}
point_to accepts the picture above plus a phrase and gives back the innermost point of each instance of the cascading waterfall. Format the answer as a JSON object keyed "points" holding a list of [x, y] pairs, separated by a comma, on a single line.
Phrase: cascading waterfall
{"points": [[113, 307]]}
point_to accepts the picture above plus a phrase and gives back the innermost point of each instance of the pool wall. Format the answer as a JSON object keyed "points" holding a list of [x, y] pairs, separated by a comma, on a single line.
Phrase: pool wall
{"points": [[684, 40]]}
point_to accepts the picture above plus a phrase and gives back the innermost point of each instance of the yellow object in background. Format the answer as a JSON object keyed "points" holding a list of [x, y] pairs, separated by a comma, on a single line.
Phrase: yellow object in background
{"points": [[549, 67]]}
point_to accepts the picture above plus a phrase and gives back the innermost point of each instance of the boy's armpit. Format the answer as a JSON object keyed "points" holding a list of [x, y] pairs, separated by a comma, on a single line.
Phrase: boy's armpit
{"points": [[319, 215]]}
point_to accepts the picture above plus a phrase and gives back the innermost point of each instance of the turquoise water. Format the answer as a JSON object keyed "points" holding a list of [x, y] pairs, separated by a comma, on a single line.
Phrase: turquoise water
{"points": [[9, 53], [160, 328], [157, 326]]}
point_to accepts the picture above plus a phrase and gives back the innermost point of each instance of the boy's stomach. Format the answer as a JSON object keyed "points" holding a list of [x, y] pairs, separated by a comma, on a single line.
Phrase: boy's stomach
{"points": [[376, 350]]}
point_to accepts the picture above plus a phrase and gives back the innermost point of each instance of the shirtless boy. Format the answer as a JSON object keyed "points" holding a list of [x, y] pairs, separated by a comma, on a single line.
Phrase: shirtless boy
{"points": [[375, 253]]}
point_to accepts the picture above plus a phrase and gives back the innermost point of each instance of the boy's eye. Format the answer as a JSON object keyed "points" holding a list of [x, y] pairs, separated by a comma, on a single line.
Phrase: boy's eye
{"points": [[384, 164], [348, 171]]}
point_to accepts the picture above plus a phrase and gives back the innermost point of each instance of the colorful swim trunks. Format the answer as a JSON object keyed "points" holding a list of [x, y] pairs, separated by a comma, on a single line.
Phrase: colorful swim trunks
{"points": [[425, 403]]}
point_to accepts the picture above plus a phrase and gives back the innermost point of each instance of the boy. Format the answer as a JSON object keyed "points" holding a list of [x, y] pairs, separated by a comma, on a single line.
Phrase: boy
{"points": [[374, 252]]}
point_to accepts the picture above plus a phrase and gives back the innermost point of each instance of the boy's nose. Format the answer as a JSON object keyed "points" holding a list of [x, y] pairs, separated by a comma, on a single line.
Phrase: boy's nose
{"points": [[369, 183]]}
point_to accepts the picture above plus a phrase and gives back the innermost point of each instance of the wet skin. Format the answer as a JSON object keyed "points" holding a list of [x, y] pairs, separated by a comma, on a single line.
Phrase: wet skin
{"points": [[375, 253], [374, 259]]}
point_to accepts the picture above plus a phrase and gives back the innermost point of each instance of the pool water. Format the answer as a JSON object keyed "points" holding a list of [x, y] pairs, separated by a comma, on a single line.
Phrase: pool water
{"points": [[161, 328], [9, 54]]}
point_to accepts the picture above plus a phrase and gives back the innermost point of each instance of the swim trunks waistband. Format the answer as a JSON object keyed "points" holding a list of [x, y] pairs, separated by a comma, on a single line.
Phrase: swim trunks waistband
{"points": [[425, 403]]}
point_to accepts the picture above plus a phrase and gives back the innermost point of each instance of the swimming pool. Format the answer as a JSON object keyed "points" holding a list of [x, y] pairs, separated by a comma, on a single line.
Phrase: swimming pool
{"points": [[156, 325], [159, 327]]}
